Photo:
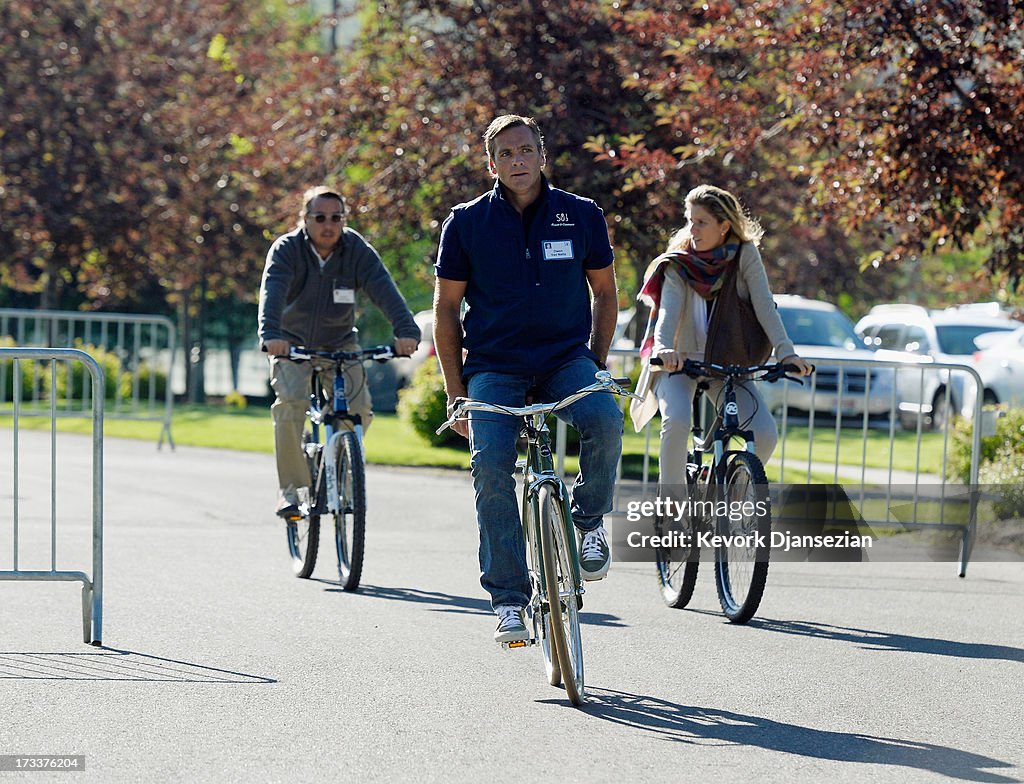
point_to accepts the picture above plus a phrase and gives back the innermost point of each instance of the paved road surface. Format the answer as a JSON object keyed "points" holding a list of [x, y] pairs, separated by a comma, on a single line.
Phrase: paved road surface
{"points": [[220, 666]]}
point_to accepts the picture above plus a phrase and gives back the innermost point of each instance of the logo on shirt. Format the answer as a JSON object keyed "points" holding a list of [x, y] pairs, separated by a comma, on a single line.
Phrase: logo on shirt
{"points": [[562, 220]]}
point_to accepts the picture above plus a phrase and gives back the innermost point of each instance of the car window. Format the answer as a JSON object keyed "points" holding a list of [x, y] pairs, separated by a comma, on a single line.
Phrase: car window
{"points": [[819, 328], [890, 337], [958, 339], [916, 340]]}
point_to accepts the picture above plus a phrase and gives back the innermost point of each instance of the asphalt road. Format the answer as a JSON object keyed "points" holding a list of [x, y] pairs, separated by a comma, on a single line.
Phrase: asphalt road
{"points": [[220, 666]]}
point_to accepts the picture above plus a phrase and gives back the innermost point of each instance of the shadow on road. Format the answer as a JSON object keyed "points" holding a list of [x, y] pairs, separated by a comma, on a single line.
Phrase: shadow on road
{"points": [[446, 602], [110, 664], [889, 641], [710, 727]]}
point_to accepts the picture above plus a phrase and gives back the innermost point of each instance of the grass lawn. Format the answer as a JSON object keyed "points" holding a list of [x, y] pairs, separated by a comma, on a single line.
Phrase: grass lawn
{"points": [[392, 442]]}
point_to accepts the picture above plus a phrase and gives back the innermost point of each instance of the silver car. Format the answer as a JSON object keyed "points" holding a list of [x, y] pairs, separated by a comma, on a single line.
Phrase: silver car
{"points": [[912, 334], [821, 332]]}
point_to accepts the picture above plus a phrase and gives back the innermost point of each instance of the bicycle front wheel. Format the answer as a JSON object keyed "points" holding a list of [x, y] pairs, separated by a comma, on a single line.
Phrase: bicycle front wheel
{"points": [[741, 561], [558, 553], [304, 534], [350, 519]]}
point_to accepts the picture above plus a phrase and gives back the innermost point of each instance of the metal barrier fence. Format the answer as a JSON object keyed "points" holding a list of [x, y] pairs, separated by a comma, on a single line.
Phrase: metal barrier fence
{"points": [[136, 352], [92, 586], [855, 397]]}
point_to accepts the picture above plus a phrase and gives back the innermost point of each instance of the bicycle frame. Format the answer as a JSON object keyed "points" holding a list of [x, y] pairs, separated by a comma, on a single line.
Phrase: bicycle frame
{"points": [[723, 434], [539, 470], [330, 421]]}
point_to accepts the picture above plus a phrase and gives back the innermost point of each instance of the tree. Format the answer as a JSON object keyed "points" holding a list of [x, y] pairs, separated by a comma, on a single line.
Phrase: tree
{"points": [[898, 116]]}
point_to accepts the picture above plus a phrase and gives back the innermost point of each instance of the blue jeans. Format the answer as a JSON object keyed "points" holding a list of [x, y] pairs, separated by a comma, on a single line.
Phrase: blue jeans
{"points": [[492, 443]]}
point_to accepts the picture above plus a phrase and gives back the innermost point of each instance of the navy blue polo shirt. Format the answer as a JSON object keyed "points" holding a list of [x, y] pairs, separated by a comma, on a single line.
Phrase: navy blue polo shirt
{"points": [[526, 284]]}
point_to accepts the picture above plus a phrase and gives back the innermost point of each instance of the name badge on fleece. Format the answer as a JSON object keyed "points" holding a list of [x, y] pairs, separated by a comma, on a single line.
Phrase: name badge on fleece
{"points": [[344, 296], [557, 250]]}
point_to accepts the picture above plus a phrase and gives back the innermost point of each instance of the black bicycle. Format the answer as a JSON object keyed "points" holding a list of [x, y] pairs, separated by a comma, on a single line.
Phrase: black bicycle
{"points": [[336, 470], [728, 505]]}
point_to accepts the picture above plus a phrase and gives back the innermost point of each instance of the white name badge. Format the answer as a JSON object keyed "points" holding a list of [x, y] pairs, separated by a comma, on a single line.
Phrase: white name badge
{"points": [[344, 296], [556, 250]]}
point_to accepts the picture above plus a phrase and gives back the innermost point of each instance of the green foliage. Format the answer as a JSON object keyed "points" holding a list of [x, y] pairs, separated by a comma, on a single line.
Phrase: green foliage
{"points": [[31, 375], [74, 381], [152, 383], [423, 405], [1001, 461]]}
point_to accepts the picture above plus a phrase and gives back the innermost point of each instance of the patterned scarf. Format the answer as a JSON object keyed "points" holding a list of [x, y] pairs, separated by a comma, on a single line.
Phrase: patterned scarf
{"points": [[702, 270]]}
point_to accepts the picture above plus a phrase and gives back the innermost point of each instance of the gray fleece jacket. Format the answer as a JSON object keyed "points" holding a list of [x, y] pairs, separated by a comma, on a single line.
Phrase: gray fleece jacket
{"points": [[315, 308]]}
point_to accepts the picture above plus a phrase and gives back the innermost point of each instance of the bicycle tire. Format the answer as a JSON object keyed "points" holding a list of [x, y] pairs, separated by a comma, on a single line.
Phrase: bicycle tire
{"points": [[563, 612], [541, 623], [350, 520], [677, 574], [742, 570], [304, 534]]}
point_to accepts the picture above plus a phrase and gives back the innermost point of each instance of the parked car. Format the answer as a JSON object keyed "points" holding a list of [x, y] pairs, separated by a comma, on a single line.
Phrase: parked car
{"points": [[910, 333], [1000, 363], [820, 332]]}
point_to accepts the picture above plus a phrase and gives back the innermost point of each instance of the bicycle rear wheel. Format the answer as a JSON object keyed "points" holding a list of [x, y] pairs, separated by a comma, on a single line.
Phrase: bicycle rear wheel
{"points": [[741, 565], [557, 553], [350, 520], [677, 567], [304, 534]]}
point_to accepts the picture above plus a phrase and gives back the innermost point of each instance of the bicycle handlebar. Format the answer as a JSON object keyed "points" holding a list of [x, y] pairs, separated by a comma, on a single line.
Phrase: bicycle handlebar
{"points": [[376, 353], [773, 372], [605, 383]]}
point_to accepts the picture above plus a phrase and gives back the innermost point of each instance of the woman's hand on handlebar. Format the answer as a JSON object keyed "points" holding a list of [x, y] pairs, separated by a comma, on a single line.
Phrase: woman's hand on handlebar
{"points": [[669, 359], [803, 367]]}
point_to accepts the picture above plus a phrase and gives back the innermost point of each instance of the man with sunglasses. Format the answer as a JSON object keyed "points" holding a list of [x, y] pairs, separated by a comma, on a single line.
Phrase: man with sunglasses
{"points": [[308, 298]]}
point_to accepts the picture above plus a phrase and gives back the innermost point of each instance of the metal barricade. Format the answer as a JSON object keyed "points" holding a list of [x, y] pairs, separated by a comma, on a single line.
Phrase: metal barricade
{"points": [[136, 350], [92, 585], [858, 397]]}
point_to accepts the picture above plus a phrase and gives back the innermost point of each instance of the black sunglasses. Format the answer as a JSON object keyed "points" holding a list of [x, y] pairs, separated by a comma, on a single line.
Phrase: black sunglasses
{"points": [[320, 217]]}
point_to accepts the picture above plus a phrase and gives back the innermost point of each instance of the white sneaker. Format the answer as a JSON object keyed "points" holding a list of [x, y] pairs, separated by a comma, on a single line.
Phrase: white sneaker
{"points": [[511, 627], [595, 555]]}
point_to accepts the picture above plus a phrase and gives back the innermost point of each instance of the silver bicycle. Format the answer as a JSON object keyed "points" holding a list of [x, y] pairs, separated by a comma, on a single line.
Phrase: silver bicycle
{"points": [[551, 550]]}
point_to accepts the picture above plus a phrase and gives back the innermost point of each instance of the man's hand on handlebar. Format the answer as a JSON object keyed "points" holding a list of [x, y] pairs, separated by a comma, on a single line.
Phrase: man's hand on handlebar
{"points": [[460, 426], [277, 347], [404, 347]]}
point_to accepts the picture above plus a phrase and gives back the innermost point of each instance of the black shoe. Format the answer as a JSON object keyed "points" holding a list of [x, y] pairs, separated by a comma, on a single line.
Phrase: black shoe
{"points": [[289, 511]]}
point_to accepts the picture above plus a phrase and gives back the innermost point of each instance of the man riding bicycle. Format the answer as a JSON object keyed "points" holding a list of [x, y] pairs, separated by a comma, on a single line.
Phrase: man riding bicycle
{"points": [[527, 258], [308, 298]]}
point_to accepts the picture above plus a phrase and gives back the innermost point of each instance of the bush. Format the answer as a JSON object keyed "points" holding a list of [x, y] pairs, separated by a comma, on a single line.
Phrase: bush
{"points": [[1006, 470], [32, 376], [423, 405], [1009, 433], [73, 378], [1001, 461], [147, 375]]}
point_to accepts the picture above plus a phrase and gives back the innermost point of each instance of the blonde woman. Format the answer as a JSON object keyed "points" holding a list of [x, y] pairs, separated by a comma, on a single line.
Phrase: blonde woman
{"points": [[680, 286]]}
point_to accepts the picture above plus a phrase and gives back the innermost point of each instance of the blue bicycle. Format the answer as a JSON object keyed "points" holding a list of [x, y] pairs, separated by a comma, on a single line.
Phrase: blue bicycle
{"points": [[333, 445]]}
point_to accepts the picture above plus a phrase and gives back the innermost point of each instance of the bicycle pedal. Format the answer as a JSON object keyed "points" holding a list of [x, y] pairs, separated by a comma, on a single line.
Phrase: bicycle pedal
{"points": [[518, 644]]}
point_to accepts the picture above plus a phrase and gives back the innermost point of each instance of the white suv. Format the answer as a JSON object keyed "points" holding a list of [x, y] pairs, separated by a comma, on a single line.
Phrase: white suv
{"points": [[909, 333], [821, 332]]}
